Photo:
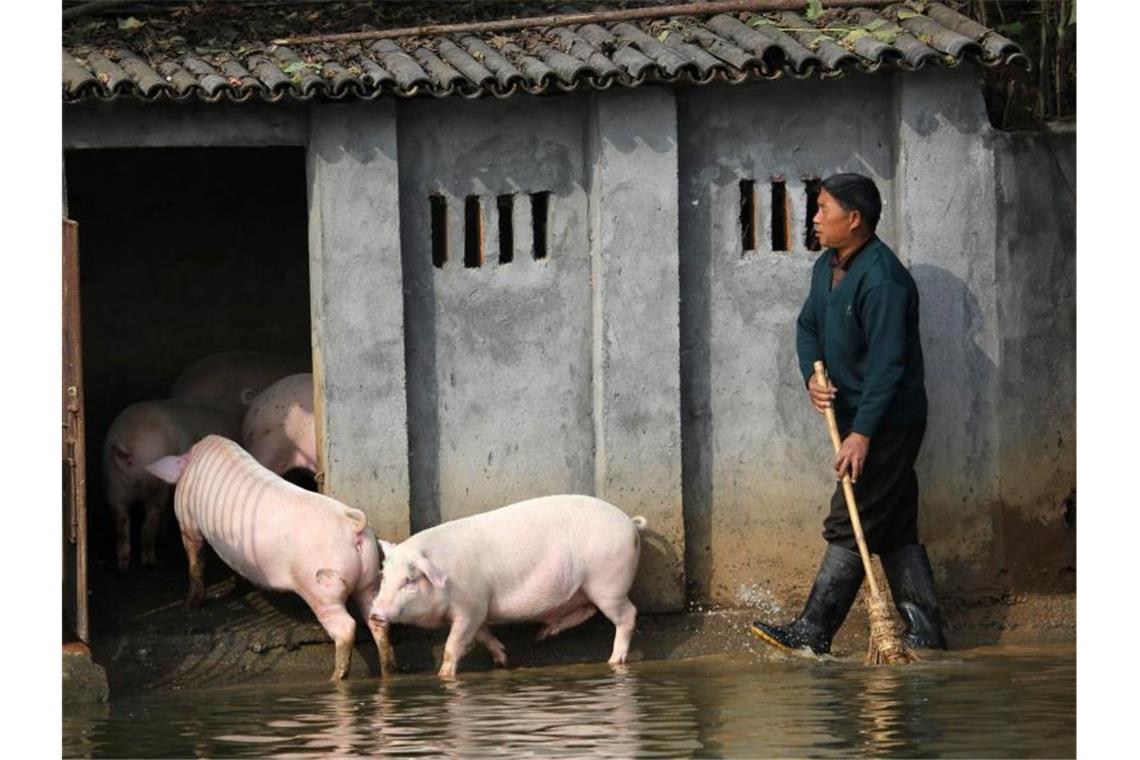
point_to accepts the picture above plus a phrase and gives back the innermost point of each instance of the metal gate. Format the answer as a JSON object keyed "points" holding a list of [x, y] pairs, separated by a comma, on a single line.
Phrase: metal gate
{"points": [[76, 624]]}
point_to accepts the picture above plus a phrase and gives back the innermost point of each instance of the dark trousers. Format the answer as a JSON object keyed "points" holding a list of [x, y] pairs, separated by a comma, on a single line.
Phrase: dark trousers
{"points": [[886, 494]]}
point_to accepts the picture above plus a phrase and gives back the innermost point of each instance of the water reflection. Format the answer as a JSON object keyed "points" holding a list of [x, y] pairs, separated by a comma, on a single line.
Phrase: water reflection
{"points": [[992, 704]]}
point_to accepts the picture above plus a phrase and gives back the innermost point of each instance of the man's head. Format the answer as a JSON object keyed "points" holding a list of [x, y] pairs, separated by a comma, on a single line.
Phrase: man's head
{"points": [[849, 209]]}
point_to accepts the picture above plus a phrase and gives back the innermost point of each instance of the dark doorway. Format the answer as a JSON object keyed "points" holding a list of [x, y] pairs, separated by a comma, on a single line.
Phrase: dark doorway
{"points": [[185, 252]]}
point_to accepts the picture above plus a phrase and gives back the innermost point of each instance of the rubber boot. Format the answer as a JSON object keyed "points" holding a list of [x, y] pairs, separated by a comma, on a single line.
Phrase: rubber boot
{"points": [[912, 587], [836, 585]]}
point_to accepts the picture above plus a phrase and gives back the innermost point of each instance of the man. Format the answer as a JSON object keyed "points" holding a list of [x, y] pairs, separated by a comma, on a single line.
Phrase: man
{"points": [[861, 319]]}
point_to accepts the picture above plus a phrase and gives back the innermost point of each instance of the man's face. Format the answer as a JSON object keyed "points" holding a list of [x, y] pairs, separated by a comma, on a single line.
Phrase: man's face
{"points": [[835, 226]]}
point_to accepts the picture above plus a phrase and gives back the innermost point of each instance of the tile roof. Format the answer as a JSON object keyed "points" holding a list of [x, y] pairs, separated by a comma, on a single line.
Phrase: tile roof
{"points": [[693, 49]]}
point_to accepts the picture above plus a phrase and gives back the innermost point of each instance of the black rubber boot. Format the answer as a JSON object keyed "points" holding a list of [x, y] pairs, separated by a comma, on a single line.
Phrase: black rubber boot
{"points": [[912, 587], [836, 585]]}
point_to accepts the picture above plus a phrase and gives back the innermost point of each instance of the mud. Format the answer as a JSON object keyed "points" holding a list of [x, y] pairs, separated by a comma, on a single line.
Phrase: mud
{"points": [[146, 639]]}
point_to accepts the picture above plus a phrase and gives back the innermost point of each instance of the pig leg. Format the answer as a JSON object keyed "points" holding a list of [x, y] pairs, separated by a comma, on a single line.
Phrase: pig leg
{"points": [[326, 601], [121, 512], [572, 618], [154, 507], [463, 631], [493, 645], [623, 615], [193, 543], [379, 630]]}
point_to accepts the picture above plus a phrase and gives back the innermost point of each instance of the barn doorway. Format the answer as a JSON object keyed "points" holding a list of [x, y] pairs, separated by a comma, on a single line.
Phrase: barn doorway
{"points": [[185, 252]]}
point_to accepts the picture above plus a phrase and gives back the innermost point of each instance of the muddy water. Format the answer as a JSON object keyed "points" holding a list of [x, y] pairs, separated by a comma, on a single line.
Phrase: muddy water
{"points": [[992, 701]]}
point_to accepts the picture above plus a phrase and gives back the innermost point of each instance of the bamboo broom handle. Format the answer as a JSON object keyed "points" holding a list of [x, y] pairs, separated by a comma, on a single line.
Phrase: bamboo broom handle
{"points": [[848, 489]]}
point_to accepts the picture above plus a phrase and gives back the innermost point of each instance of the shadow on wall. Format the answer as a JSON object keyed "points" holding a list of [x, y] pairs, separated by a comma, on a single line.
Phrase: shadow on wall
{"points": [[959, 508]]}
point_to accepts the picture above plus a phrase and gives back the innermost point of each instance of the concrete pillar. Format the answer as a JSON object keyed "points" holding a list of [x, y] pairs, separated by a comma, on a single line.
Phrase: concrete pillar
{"points": [[357, 311], [945, 194], [632, 158]]}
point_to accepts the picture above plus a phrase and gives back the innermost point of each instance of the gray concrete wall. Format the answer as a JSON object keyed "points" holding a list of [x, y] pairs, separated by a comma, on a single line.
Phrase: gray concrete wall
{"points": [[552, 375], [948, 236], [1035, 177], [357, 305], [632, 149], [499, 355], [756, 455]]}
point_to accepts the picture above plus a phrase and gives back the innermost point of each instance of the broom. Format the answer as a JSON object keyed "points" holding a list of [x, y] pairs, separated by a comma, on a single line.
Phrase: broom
{"points": [[886, 647]]}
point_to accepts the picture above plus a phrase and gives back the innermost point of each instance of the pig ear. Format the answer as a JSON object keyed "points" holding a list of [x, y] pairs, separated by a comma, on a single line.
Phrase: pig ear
{"points": [[432, 572], [387, 547], [123, 454], [169, 468]]}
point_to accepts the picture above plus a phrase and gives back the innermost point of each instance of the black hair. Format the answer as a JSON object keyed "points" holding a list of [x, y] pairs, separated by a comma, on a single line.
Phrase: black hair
{"points": [[855, 192]]}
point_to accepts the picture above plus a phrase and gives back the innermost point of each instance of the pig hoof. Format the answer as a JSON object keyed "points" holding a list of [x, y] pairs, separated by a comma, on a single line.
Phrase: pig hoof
{"points": [[546, 632]]}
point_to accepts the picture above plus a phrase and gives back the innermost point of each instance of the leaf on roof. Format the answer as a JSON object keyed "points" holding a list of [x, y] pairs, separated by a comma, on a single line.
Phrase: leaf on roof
{"points": [[756, 21], [905, 13], [130, 23], [297, 67], [664, 35], [887, 36], [813, 10], [852, 37]]}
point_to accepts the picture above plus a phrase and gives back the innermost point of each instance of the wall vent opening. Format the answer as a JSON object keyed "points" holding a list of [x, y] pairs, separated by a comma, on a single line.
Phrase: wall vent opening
{"points": [[779, 215], [438, 230], [472, 233], [539, 203], [747, 215], [506, 206], [811, 193]]}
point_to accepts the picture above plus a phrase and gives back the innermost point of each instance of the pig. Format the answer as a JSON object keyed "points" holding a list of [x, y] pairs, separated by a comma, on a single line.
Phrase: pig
{"points": [[279, 429], [139, 435], [277, 536], [554, 559], [232, 379]]}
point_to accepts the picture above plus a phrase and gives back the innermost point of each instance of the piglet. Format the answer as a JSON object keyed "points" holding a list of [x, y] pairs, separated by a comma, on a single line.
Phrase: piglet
{"points": [[139, 435], [554, 559], [276, 535], [279, 429]]}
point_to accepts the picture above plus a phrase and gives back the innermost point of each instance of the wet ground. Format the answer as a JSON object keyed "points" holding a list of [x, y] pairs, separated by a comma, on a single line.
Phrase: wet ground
{"points": [[990, 701], [146, 640]]}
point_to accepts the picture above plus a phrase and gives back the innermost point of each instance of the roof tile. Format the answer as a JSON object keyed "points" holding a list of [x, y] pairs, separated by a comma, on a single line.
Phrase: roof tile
{"points": [[735, 47]]}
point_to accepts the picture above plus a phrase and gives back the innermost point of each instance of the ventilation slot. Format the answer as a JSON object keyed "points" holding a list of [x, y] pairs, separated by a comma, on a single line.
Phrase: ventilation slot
{"points": [[506, 206], [747, 215], [472, 233], [438, 230], [811, 192], [538, 208], [779, 215]]}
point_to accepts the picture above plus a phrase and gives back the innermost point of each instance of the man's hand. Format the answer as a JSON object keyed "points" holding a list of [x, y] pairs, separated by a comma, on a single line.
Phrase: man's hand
{"points": [[821, 397], [852, 454]]}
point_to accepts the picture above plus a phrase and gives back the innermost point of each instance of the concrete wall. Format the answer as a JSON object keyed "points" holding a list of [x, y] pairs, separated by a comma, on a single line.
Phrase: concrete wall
{"points": [[555, 374], [756, 455], [357, 304], [948, 234], [1036, 278]]}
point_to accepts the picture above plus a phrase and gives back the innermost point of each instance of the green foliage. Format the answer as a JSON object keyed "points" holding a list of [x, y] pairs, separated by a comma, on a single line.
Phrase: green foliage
{"points": [[813, 10], [1045, 30]]}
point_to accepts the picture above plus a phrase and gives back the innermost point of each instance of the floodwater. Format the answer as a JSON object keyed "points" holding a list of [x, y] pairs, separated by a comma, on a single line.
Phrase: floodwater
{"points": [[1001, 701]]}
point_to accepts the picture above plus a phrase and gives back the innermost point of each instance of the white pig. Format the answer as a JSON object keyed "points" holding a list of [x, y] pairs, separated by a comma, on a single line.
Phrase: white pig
{"points": [[232, 378], [277, 536], [554, 559], [139, 435], [279, 430]]}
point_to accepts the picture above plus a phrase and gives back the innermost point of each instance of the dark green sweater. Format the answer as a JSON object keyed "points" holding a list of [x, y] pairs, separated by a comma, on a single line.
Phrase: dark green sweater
{"points": [[866, 332]]}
